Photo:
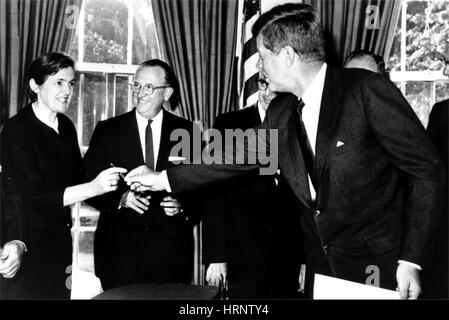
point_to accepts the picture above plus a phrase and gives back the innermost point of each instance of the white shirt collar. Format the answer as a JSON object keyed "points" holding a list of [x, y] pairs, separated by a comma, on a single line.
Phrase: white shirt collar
{"points": [[312, 104], [41, 116], [144, 121], [316, 87], [262, 112]]}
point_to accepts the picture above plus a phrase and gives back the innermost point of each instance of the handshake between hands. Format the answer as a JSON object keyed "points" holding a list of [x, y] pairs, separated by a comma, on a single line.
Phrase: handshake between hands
{"points": [[143, 179]]}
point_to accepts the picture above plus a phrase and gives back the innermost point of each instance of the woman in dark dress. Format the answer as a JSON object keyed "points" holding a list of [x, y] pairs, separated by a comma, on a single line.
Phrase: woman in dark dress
{"points": [[44, 175]]}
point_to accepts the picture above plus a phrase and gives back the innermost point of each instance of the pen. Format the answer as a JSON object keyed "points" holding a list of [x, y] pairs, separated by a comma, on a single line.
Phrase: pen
{"points": [[120, 174]]}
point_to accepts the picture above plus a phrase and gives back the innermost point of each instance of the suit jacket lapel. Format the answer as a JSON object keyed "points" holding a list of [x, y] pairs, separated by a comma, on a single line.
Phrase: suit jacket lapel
{"points": [[329, 112], [165, 143], [132, 134], [302, 181], [294, 168]]}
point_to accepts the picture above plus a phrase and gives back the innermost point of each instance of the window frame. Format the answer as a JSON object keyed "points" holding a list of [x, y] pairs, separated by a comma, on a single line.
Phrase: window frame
{"points": [[105, 69], [403, 76]]}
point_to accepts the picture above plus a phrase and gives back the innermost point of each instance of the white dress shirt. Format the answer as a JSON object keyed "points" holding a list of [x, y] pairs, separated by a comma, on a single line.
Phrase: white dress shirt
{"points": [[156, 127], [262, 112], [311, 112]]}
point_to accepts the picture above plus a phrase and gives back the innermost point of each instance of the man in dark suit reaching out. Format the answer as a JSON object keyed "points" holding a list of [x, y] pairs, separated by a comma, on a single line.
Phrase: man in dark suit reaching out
{"points": [[366, 175], [141, 238]]}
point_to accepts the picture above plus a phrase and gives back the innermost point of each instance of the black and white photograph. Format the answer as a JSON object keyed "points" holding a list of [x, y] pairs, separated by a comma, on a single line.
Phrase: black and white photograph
{"points": [[224, 155]]}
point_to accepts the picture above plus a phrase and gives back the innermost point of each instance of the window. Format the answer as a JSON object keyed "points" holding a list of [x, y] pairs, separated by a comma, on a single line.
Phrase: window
{"points": [[422, 34], [112, 38]]}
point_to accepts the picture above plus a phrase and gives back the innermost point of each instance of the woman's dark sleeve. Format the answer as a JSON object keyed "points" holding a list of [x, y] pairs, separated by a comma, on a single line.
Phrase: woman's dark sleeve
{"points": [[22, 178]]}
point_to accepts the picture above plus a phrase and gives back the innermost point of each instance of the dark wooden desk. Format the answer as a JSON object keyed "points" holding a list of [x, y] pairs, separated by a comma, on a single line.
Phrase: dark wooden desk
{"points": [[159, 292]]}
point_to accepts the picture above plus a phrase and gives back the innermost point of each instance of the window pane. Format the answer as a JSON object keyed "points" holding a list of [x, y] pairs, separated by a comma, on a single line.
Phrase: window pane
{"points": [[419, 95], [441, 91], [106, 31], [121, 94], [427, 33], [117, 94], [85, 284], [94, 93], [86, 253], [145, 44], [73, 48], [102, 96], [72, 111]]}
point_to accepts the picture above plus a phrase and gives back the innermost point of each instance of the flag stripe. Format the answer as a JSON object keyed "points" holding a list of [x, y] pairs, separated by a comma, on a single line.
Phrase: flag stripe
{"points": [[249, 48], [252, 99], [250, 66], [252, 7], [249, 26], [249, 55], [251, 85]]}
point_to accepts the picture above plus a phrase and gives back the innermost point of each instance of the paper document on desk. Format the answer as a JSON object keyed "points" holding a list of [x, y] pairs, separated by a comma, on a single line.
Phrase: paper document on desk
{"points": [[333, 288]]}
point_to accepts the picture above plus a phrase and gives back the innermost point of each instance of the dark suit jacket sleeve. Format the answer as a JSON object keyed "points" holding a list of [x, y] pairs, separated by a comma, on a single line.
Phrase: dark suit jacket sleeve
{"points": [[404, 138], [214, 221], [96, 160], [196, 176], [191, 202]]}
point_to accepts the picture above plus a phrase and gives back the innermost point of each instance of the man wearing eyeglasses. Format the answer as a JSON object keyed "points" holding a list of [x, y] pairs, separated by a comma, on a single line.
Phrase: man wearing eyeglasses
{"points": [[141, 237], [243, 240], [367, 177]]}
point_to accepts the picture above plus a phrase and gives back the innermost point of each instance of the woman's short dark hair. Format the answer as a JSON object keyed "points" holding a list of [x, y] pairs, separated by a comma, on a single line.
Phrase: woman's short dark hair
{"points": [[170, 78], [47, 65]]}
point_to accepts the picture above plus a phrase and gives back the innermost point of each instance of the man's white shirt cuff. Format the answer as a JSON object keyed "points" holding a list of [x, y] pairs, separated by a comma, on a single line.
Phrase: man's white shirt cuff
{"points": [[21, 243], [165, 182], [417, 266]]}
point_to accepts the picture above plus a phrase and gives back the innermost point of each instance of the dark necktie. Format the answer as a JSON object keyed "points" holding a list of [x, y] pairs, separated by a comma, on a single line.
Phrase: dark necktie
{"points": [[149, 153], [304, 142]]}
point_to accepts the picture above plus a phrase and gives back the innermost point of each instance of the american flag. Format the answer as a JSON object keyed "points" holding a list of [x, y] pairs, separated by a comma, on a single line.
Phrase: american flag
{"points": [[249, 56]]}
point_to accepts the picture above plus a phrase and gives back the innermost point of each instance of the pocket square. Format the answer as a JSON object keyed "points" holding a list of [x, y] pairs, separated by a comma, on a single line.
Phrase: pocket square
{"points": [[339, 144], [174, 158]]}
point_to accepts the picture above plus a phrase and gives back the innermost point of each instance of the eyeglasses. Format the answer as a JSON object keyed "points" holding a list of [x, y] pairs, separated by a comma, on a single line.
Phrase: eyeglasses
{"points": [[147, 88], [262, 84]]}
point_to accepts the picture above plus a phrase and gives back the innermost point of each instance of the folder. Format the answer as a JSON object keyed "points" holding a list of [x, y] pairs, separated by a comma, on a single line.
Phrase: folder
{"points": [[326, 287]]}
